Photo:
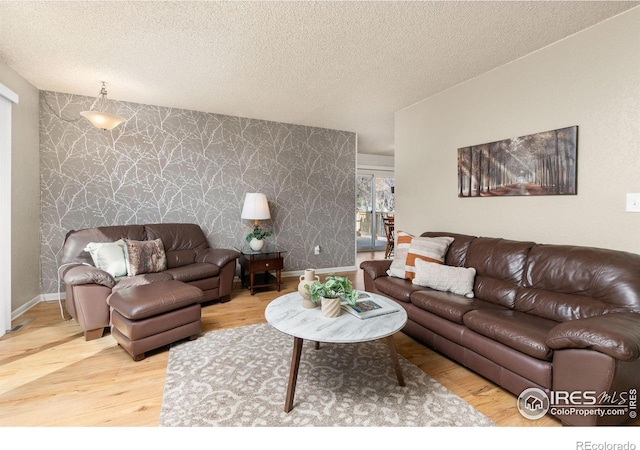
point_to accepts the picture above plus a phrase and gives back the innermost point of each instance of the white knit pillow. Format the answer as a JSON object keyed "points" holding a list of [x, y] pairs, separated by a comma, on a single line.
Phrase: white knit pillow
{"points": [[108, 256], [458, 280]]}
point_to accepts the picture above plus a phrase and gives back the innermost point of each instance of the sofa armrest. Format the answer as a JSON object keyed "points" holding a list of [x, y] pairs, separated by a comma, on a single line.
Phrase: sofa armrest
{"points": [[86, 274], [376, 268], [218, 256], [616, 335]]}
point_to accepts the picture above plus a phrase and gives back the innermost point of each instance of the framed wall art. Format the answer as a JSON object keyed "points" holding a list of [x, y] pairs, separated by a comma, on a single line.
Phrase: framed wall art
{"points": [[537, 164]]}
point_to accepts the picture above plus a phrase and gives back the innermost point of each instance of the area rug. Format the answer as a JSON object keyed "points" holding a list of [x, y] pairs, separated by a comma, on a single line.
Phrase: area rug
{"points": [[238, 378]]}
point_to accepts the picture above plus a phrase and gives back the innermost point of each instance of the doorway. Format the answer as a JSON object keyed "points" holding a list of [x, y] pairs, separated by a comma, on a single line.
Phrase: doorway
{"points": [[374, 201]]}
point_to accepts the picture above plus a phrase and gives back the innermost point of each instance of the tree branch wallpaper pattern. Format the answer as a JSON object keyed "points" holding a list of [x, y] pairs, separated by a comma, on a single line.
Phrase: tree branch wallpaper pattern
{"points": [[173, 165]]}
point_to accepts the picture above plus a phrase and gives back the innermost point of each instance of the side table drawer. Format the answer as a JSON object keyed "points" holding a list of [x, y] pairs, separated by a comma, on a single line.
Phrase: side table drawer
{"points": [[258, 265]]}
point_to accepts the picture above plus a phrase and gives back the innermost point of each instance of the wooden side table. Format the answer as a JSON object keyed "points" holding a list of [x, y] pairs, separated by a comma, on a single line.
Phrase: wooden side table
{"points": [[256, 266]]}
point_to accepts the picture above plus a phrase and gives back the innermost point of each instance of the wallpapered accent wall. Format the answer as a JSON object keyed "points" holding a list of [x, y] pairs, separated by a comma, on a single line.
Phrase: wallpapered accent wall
{"points": [[174, 165]]}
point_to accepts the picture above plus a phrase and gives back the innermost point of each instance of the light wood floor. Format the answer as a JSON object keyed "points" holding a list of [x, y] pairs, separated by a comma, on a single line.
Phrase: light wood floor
{"points": [[50, 376]]}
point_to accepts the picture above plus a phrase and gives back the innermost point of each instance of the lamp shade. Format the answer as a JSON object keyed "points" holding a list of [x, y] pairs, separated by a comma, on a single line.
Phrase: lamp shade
{"points": [[102, 120], [255, 207]]}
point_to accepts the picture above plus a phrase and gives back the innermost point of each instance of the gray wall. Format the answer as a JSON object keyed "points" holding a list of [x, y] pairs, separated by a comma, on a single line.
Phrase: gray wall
{"points": [[25, 191], [174, 165]]}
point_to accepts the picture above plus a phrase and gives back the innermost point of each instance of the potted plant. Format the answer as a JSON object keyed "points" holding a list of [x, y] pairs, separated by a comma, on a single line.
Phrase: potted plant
{"points": [[331, 292], [256, 238]]}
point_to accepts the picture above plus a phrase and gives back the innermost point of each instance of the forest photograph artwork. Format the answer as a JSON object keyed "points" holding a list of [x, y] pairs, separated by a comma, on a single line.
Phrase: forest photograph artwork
{"points": [[537, 164]]}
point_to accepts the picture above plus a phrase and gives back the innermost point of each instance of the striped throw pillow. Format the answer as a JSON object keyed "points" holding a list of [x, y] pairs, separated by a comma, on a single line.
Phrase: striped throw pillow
{"points": [[429, 249], [401, 250]]}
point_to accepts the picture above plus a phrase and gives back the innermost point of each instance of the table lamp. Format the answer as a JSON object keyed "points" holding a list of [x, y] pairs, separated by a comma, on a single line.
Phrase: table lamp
{"points": [[255, 208]]}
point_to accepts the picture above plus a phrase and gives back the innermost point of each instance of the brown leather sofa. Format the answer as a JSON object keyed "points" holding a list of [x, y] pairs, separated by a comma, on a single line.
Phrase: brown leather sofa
{"points": [[558, 318], [189, 260]]}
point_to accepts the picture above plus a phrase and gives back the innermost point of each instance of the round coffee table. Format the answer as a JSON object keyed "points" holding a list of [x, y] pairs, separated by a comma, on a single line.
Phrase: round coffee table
{"points": [[286, 314]]}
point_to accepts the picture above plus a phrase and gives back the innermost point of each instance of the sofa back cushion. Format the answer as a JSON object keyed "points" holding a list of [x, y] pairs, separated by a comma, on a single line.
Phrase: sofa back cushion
{"points": [[182, 241], [457, 251], [500, 265], [565, 282], [73, 250]]}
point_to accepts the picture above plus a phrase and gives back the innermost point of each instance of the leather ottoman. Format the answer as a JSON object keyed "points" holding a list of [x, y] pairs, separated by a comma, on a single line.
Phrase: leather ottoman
{"points": [[150, 316]]}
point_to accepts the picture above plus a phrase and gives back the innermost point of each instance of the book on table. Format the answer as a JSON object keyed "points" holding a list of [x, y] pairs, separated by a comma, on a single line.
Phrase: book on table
{"points": [[366, 307]]}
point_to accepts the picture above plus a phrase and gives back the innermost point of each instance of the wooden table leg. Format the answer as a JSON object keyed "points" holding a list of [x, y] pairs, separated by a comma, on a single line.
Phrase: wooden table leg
{"points": [[293, 373], [394, 359], [278, 278]]}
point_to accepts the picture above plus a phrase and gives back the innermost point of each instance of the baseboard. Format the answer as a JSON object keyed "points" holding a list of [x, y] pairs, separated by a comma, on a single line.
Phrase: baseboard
{"points": [[54, 297], [27, 306]]}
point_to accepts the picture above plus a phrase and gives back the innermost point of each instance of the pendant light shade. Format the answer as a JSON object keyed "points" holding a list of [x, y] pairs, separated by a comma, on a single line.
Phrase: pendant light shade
{"points": [[98, 117]]}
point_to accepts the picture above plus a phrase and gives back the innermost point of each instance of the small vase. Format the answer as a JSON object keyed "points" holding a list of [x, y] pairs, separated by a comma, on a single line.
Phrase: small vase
{"points": [[256, 244], [307, 303], [330, 307], [307, 279]]}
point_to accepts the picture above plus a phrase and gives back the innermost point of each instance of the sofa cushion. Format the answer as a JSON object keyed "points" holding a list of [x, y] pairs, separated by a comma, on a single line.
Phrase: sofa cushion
{"points": [[77, 240], [195, 271], [179, 258], [108, 256], [520, 331], [145, 257], [457, 252], [177, 237], [397, 288], [566, 282], [447, 305], [500, 266], [458, 280], [558, 306]]}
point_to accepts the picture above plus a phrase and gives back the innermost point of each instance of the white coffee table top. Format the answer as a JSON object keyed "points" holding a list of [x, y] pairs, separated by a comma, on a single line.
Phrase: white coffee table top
{"points": [[287, 315]]}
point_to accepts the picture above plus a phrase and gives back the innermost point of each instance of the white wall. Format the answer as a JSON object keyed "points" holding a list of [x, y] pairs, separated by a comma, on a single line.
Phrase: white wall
{"points": [[367, 161], [591, 79]]}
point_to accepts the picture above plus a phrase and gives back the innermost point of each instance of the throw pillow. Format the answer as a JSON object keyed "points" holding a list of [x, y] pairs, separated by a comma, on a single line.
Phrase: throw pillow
{"points": [[431, 249], [145, 257], [401, 249], [108, 256], [458, 280]]}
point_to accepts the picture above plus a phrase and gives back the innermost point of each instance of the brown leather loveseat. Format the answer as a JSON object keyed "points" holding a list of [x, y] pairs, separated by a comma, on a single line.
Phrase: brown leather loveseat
{"points": [[189, 259], [558, 318]]}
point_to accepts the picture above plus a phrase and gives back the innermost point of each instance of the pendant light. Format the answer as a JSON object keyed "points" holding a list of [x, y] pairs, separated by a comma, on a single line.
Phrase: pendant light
{"points": [[99, 118]]}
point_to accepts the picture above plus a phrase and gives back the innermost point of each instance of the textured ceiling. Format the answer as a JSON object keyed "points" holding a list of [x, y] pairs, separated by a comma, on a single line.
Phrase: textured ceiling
{"points": [[343, 65]]}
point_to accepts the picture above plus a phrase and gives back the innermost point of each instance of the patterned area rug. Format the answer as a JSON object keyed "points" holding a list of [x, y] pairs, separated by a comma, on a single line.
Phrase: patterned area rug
{"points": [[238, 377]]}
